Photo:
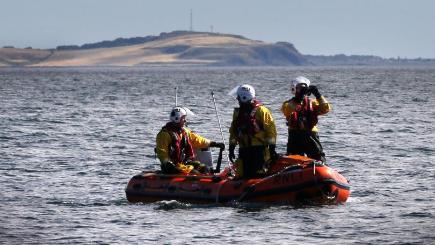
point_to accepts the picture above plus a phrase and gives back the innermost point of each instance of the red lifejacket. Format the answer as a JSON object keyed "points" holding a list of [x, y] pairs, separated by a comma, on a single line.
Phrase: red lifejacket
{"points": [[304, 116], [246, 122], [180, 148]]}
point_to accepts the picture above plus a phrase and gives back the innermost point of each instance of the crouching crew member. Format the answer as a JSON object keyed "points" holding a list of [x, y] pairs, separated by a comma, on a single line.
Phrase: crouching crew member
{"points": [[175, 145]]}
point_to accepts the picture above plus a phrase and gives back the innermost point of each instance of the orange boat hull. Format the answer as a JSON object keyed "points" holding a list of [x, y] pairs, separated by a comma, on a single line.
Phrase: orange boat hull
{"points": [[292, 180]]}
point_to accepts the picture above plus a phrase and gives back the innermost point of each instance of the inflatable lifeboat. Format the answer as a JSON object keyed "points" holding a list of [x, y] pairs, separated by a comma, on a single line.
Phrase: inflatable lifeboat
{"points": [[292, 179]]}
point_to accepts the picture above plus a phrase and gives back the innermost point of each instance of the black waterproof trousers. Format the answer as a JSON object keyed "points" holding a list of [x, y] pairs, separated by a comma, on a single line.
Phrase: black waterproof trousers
{"points": [[302, 142], [253, 161]]}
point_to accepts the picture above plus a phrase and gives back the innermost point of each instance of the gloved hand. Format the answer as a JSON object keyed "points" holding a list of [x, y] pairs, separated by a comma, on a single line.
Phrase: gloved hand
{"points": [[272, 152], [232, 156], [197, 165], [192, 162], [216, 144], [315, 91]]}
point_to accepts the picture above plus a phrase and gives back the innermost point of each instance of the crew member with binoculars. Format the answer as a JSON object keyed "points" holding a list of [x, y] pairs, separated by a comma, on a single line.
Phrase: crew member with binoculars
{"points": [[302, 114]]}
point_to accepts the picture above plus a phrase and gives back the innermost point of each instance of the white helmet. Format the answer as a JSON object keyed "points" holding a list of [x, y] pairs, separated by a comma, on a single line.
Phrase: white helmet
{"points": [[245, 93], [178, 113], [299, 80]]}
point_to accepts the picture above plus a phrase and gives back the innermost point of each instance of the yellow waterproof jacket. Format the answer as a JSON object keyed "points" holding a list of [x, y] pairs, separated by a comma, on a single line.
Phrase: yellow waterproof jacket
{"points": [[266, 134], [164, 140], [321, 106]]}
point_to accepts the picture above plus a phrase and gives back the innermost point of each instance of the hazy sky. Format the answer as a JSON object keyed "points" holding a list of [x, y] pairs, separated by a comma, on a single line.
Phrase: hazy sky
{"points": [[387, 28]]}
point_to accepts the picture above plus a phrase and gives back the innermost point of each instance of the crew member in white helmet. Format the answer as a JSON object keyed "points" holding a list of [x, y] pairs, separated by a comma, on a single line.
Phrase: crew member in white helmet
{"points": [[253, 129], [175, 144], [302, 114]]}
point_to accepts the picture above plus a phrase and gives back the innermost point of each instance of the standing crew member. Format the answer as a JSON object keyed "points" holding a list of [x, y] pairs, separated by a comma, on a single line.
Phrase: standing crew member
{"points": [[253, 129], [175, 145], [302, 114]]}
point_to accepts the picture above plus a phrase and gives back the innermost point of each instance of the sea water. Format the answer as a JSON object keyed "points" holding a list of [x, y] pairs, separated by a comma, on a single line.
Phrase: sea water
{"points": [[71, 138]]}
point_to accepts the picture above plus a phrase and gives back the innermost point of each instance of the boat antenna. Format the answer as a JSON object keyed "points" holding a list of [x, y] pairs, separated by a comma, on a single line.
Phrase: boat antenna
{"points": [[220, 128], [176, 95]]}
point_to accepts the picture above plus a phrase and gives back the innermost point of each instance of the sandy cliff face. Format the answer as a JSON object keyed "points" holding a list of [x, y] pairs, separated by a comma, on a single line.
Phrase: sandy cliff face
{"points": [[22, 57], [181, 49]]}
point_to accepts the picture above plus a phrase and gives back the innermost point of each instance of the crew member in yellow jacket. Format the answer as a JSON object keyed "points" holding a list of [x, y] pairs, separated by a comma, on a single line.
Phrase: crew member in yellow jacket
{"points": [[302, 114], [253, 129], [175, 145]]}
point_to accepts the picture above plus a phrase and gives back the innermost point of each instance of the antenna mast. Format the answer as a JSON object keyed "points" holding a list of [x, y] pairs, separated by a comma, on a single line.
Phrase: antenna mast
{"points": [[191, 20]]}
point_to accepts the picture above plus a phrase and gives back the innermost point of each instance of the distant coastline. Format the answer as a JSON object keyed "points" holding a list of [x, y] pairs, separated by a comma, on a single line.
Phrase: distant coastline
{"points": [[185, 48]]}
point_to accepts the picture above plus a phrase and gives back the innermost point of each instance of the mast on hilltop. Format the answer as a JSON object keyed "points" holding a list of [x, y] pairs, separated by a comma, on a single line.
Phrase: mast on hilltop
{"points": [[191, 20]]}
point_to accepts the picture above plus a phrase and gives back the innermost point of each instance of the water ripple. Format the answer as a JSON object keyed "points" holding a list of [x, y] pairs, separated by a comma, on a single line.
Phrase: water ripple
{"points": [[71, 139]]}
